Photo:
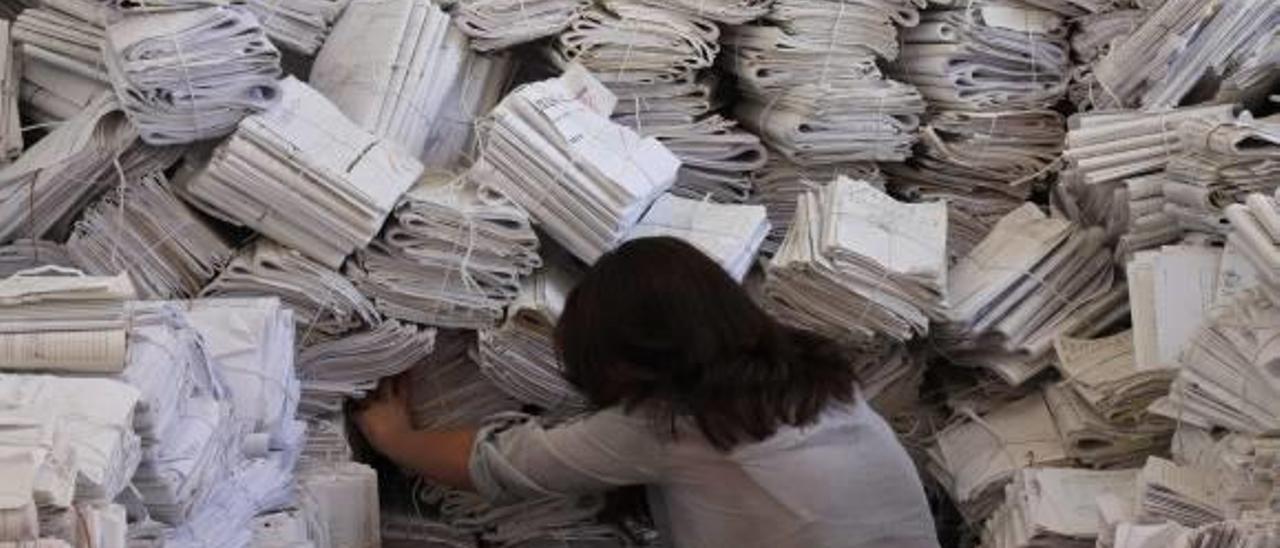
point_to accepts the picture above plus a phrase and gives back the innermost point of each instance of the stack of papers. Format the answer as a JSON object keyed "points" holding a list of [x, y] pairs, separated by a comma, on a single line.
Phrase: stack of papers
{"points": [[448, 391], [27, 254], [857, 263], [499, 24], [1053, 507], [585, 180], [779, 184], [1094, 441], [1110, 146], [392, 87], [326, 438], [324, 304], [476, 89], [40, 474], [342, 498], [1188, 495], [186, 76], [184, 414], [60, 48], [730, 12], [57, 319], [48, 186], [1140, 60], [304, 175], [1171, 291], [10, 122], [520, 357], [451, 256], [1095, 35], [1222, 162], [168, 250], [297, 25], [351, 366], [96, 415], [730, 234], [1145, 222], [716, 156], [1105, 374], [992, 54], [975, 458]]}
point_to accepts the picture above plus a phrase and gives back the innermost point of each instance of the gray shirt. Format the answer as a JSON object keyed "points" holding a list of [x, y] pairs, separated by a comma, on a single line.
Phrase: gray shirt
{"points": [[844, 481]]}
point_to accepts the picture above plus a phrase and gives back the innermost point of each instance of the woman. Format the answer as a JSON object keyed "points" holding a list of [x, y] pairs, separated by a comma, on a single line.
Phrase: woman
{"points": [[748, 433]]}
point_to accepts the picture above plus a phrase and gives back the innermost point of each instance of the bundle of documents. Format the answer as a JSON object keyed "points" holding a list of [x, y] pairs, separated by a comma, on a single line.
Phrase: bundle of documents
{"points": [[1146, 223], [977, 457], [448, 391], [1053, 507], [1105, 373], [27, 254], [184, 414], [51, 93], [890, 375], [186, 76], [304, 175], [520, 357], [1093, 440], [1111, 146], [1094, 36], [716, 156], [1138, 62], [728, 233], [10, 123], [326, 438], [451, 256], [48, 186], [324, 304], [857, 263], [780, 182], [992, 54], [351, 366], [53, 318], [476, 89], [97, 417], [298, 25], [342, 498], [730, 12], [40, 473], [1163, 324], [59, 45], [1188, 495], [585, 180], [392, 87], [1222, 162], [1256, 231], [251, 341], [168, 250], [499, 24]]}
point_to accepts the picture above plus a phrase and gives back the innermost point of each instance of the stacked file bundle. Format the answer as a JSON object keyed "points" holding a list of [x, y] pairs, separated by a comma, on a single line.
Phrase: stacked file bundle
{"points": [[1256, 238], [27, 254], [729, 12], [1136, 212], [585, 180], [184, 415], [186, 76], [500, 24], [40, 478], [325, 305], [341, 500], [1095, 441], [351, 366], [975, 458], [166, 247], [392, 87], [297, 25], [452, 255], [1136, 63], [1221, 163], [730, 234], [811, 87], [1093, 38], [1032, 279], [781, 182], [519, 357], [304, 175], [448, 390], [46, 188], [1188, 495], [1054, 507], [474, 92], [1105, 374], [59, 45], [857, 263], [1110, 146], [53, 318], [10, 122], [655, 61], [1171, 291]]}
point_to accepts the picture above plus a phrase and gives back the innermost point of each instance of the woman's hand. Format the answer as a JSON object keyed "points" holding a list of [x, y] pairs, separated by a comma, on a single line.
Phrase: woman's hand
{"points": [[383, 417]]}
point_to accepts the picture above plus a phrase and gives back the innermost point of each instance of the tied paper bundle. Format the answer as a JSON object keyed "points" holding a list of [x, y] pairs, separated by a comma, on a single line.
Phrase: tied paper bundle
{"points": [[40, 477], [716, 156], [585, 180], [1094, 441], [730, 234], [500, 24], [51, 183], [167, 249], [1256, 237], [519, 357], [1223, 162], [1105, 147], [975, 458], [251, 343], [472, 93], [1054, 507], [187, 76], [27, 254], [730, 12], [1163, 323], [95, 414], [10, 122], [297, 25], [780, 182], [325, 304], [857, 263], [60, 48], [392, 87], [53, 318], [992, 54], [1105, 374], [1138, 211], [1094, 36], [1189, 495], [304, 175], [351, 366], [184, 415], [448, 391], [1139, 61], [1030, 280], [452, 255]]}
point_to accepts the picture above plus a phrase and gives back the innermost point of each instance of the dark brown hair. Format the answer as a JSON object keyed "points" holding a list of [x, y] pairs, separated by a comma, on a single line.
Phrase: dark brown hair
{"points": [[657, 324]]}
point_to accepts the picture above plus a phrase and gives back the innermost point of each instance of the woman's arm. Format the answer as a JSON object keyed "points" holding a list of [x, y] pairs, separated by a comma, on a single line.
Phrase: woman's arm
{"points": [[443, 456]]}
